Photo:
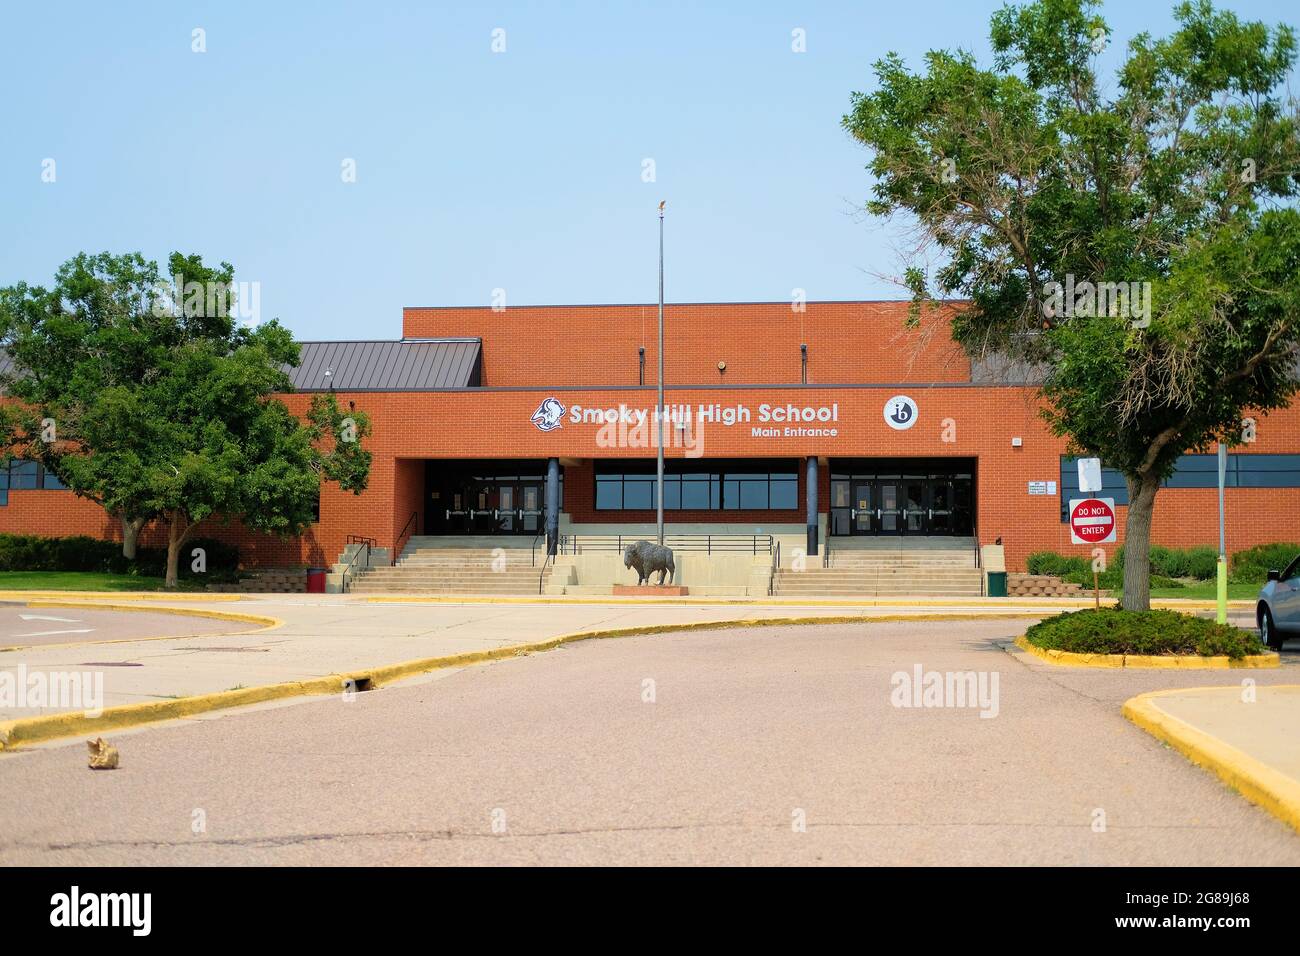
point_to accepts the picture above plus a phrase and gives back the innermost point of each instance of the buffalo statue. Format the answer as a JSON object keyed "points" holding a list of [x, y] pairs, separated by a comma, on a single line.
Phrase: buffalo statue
{"points": [[648, 558]]}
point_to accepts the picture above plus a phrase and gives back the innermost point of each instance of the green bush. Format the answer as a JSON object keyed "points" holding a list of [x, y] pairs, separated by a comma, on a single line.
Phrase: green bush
{"points": [[1252, 565], [1200, 563], [27, 552], [1049, 562], [1116, 631]]}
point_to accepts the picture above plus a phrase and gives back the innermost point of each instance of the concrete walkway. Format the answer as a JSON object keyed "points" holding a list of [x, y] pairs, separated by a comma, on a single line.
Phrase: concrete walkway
{"points": [[320, 635], [331, 634]]}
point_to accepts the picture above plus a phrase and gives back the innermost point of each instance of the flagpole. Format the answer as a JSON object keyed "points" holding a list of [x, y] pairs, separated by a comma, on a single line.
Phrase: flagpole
{"points": [[659, 473]]}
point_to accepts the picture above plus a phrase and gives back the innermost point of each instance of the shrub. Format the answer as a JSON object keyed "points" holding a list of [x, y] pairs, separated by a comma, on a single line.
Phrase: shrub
{"points": [[1200, 563], [1058, 565], [1252, 565], [1116, 631], [29, 552]]}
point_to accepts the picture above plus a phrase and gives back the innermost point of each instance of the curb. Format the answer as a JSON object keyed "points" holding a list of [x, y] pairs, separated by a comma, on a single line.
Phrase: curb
{"points": [[975, 602], [27, 730], [1161, 662], [1256, 781], [80, 596]]}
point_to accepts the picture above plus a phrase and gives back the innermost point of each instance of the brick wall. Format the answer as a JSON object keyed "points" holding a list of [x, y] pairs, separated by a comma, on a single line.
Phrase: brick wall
{"points": [[553, 351], [759, 342]]}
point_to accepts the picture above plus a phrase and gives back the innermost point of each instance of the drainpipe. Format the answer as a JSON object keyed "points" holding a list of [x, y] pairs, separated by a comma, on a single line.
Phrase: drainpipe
{"points": [[552, 506], [812, 505]]}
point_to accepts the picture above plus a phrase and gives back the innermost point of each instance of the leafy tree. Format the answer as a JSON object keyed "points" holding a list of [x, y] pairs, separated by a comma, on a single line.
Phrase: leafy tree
{"points": [[78, 349], [164, 407], [1139, 248]]}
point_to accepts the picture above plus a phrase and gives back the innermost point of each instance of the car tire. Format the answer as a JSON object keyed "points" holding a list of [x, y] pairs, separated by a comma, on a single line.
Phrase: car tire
{"points": [[1268, 632]]}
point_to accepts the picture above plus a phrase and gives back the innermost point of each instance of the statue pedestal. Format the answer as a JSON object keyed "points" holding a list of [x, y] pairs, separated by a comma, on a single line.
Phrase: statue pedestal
{"points": [[650, 590]]}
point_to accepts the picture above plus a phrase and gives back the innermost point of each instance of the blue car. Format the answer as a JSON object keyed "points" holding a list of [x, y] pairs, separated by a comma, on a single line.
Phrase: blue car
{"points": [[1278, 613]]}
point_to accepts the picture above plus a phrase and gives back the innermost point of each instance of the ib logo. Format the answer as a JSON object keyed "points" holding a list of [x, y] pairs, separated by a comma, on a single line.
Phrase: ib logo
{"points": [[548, 414], [900, 412]]}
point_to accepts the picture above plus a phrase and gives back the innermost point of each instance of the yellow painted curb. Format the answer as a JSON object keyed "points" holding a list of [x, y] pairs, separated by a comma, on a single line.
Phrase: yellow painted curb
{"points": [[121, 595], [1253, 779], [974, 602], [27, 730], [1166, 662], [265, 622]]}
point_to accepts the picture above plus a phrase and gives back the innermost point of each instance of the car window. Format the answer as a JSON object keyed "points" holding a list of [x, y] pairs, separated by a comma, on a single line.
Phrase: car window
{"points": [[1292, 570]]}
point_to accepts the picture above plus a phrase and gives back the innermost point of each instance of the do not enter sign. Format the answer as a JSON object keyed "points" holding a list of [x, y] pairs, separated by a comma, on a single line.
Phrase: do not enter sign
{"points": [[1092, 520]]}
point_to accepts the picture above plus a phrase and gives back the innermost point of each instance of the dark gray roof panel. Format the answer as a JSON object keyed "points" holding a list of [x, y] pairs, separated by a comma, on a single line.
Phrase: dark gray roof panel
{"points": [[392, 366]]}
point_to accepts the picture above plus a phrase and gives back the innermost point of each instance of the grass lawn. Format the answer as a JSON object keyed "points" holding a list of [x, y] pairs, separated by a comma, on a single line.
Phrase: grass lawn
{"points": [[1208, 591], [83, 581]]}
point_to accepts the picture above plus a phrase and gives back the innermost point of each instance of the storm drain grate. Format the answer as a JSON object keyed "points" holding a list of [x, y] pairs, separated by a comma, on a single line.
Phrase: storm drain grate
{"points": [[111, 664], [229, 650]]}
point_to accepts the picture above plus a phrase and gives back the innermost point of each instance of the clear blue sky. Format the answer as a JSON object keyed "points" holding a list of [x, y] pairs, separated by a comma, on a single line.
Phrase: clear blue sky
{"points": [[520, 170]]}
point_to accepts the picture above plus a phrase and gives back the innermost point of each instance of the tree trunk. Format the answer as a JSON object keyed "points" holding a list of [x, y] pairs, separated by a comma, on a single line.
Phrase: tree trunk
{"points": [[1137, 542], [177, 528], [130, 535]]}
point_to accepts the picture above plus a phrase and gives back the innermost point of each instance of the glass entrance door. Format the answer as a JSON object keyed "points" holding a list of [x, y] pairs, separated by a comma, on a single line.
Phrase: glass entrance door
{"points": [[939, 513], [916, 496], [889, 510], [864, 515], [531, 511]]}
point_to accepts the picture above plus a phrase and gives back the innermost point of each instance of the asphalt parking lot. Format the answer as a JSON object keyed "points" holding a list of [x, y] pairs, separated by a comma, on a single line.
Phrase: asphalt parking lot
{"points": [[23, 626], [764, 745]]}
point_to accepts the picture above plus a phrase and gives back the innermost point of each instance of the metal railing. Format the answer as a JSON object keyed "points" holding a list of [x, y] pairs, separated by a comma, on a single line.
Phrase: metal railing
{"points": [[826, 548], [776, 566], [706, 543], [402, 535], [541, 575], [363, 547]]}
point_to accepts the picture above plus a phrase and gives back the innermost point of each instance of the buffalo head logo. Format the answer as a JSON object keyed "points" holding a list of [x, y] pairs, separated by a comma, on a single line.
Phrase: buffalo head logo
{"points": [[548, 414]]}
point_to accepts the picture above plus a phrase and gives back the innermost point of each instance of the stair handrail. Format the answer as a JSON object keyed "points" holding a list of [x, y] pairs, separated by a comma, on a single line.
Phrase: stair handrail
{"points": [[403, 535], [364, 545], [776, 564], [542, 574], [826, 549]]}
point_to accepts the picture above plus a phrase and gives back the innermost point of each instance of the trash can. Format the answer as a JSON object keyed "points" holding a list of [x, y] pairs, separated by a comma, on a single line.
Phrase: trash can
{"points": [[997, 584], [315, 580]]}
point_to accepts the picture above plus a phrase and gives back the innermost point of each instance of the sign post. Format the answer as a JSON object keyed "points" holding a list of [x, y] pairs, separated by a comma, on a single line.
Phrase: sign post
{"points": [[1092, 521], [1221, 572]]}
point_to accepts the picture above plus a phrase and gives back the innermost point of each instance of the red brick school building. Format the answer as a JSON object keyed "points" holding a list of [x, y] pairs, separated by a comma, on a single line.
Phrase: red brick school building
{"points": [[836, 417]]}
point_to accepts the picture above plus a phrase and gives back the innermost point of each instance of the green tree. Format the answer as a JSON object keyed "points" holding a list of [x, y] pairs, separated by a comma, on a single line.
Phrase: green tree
{"points": [[78, 349], [1138, 248], [163, 406]]}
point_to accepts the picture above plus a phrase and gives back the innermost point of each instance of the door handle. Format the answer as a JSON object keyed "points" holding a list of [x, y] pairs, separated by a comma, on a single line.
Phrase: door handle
{"points": [[877, 514]]}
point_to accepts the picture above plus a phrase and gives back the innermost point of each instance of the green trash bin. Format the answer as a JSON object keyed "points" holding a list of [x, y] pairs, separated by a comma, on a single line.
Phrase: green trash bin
{"points": [[997, 584]]}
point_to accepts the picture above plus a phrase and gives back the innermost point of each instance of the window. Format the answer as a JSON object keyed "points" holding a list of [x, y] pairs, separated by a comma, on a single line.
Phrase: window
{"points": [[22, 475], [1193, 471], [722, 486]]}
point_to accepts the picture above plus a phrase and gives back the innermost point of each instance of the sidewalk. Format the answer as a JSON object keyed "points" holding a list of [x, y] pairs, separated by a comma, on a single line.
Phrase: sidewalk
{"points": [[320, 635], [1246, 735]]}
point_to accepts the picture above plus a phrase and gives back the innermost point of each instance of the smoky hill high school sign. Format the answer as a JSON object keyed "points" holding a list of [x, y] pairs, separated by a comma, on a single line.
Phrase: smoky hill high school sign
{"points": [[764, 420]]}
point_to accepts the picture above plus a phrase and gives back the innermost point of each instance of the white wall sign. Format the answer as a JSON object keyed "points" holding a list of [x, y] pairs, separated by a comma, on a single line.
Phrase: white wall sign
{"points": [[1090, 474]]}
